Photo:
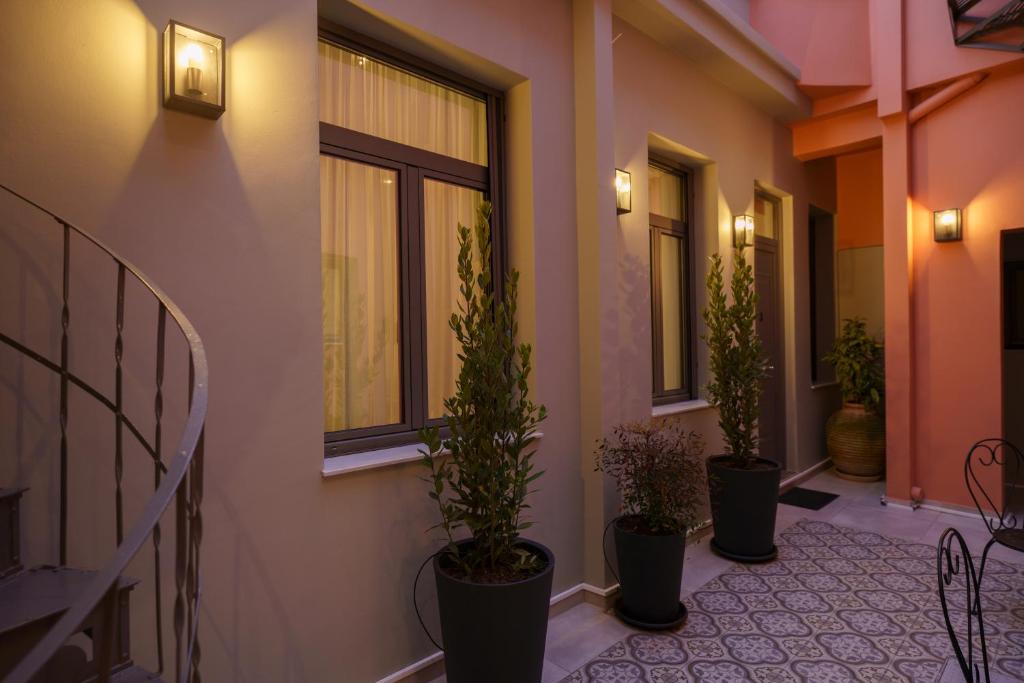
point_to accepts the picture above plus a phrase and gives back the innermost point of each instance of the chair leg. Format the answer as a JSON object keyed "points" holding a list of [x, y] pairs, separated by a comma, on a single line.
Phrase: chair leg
{"points": [[977, 600], [949, 561]]}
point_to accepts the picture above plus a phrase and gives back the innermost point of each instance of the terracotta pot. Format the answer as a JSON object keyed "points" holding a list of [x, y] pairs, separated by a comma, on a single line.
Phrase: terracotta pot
{"points": [[856, 443]]}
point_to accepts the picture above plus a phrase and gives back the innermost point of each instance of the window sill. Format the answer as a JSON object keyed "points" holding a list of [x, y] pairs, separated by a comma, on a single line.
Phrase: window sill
{"points": [[370, 460], [681, 407]]}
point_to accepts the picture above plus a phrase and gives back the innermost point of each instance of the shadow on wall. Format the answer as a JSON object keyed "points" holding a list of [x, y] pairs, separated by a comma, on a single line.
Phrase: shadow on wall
{"points": [[29, 393], [634, 324], [860, 285]]}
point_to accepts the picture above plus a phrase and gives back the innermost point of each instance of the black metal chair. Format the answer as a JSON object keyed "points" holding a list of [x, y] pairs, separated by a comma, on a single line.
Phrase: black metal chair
{"points": [[1005, 527]]}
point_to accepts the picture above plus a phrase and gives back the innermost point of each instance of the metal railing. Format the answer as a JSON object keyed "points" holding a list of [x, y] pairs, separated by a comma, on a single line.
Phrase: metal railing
{"points": [[179, 481]]}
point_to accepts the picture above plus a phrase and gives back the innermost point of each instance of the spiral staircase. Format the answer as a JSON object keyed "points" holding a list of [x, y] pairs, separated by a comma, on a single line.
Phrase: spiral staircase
{"points": [[66, 623], [989, 25]]}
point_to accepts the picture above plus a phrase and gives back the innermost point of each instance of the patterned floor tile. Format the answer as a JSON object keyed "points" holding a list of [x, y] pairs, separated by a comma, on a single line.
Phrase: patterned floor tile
{"points": [[840, 604]]}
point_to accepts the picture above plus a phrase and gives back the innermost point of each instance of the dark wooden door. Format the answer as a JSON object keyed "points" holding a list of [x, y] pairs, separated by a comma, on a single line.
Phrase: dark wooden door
{"points": [[772, 417]]}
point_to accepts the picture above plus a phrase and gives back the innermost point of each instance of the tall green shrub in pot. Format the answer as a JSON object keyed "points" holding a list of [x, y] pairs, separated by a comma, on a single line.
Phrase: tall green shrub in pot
{"points": [[493, 585], [743, 487], [855, 434], [659, 474]]}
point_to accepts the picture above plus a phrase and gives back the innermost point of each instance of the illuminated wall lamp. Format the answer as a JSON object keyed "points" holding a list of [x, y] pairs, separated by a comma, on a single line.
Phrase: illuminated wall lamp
{"points": [[742, 231], [623, 193], [193, 70], [947, 225]]}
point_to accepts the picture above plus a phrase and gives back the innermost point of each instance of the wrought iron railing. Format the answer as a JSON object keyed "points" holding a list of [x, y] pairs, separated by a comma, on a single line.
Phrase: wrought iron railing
{"points": [[180, 480], [993, 28]]}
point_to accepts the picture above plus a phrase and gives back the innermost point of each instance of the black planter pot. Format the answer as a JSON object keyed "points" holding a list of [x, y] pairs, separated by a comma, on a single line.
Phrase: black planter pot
{"points": [[743, 506], [495, 631], [650, 578]]}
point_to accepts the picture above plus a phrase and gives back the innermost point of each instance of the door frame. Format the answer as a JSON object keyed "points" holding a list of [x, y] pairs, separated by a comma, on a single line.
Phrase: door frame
{"points": [[776, 247]]}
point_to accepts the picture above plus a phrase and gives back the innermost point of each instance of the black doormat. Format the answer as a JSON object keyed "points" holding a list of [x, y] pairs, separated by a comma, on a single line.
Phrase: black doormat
{"points": [[807, 498]]}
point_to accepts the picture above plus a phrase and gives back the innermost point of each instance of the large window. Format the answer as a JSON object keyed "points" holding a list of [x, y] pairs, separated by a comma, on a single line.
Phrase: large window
{"points": [[669, 197], [406, 155]]}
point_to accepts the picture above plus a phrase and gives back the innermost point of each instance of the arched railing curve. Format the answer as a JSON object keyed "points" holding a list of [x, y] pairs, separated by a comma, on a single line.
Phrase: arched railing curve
{"points": [[179, 481]]}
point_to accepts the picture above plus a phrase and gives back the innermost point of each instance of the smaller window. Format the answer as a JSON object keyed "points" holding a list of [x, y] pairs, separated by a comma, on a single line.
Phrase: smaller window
{"points": [[766, 215], [671, 287]]}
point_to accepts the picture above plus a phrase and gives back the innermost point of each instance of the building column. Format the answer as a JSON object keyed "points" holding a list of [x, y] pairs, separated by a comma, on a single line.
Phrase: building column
{"points": [[597, 245], [898, 268]]}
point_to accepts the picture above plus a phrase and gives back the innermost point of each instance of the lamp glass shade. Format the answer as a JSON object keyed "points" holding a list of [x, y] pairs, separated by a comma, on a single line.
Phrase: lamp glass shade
{"points": [[193, 66], [742, 231], [623, 192], [947, 225]]}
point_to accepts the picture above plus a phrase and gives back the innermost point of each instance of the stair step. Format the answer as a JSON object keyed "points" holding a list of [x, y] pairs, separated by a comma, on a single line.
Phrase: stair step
{"points": [[10, 543], [42, 593], [32, 601], [135, 674]]}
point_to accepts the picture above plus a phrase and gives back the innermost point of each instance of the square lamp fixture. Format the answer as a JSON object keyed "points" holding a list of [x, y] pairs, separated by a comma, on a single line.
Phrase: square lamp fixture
{"points": [[623, 196], [193, 70], [947, 225], [742, 231]]}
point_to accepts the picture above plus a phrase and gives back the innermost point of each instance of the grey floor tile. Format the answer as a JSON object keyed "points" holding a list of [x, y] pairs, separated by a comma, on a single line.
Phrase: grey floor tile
{"points": [[576, 648], [553, 673]]}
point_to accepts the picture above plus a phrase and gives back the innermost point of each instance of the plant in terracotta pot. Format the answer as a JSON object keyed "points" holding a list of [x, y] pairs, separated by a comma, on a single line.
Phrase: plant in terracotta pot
{"points": [[855, 434], [659, 473], [743, 488], [493, 586]]}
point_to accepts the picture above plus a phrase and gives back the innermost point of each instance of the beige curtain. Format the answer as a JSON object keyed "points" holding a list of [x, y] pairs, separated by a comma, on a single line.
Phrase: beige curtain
{"points": [[371, 97], [359, 238], [361, 278], [765, 212], [673, 331], [664, 193], [445, 206]]}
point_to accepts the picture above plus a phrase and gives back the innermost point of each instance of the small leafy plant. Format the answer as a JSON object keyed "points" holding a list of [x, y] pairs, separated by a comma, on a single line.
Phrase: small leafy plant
{"points": [[737, 361], [659, 474], [859, 360], [481, 472]]}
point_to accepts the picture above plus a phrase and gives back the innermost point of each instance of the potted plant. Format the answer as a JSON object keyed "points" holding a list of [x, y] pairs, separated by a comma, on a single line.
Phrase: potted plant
{"points": [[855, 434], [744, 488], [493, 587], [660, 476]]}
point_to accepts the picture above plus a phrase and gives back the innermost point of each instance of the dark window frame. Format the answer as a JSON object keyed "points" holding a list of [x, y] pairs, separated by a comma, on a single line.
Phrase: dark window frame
{"points": [[413, 165], [662, 225]]}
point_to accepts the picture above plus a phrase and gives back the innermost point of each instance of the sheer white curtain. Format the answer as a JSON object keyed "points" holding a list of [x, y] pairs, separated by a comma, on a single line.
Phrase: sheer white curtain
{"points": [[445, 206], [359, 225], [359, 238], [670, 252], [371, 97]]}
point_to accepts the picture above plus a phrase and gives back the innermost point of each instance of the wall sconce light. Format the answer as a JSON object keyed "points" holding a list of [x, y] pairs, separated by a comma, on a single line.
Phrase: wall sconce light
{"points": [[947, 225], [742, 231], [623, 194], [193, 70]]}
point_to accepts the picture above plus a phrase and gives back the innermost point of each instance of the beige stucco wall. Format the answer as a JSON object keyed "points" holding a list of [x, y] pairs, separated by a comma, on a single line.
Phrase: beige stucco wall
{"points": [[664, 105], [307, 579]]}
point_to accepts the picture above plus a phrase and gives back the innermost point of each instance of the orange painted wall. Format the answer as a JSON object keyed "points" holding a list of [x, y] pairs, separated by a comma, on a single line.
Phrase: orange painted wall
{"points": [[859, 199], [968, 155]]}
